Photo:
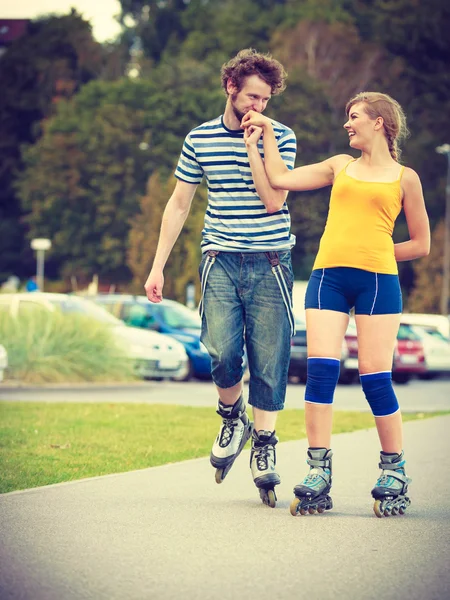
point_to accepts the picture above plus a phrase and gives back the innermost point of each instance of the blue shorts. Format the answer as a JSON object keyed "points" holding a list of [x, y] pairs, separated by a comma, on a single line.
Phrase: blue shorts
{"points": [[344, 288]]}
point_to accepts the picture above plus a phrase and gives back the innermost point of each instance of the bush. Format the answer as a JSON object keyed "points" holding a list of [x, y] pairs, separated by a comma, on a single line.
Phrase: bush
{"points": [[56, 347]]}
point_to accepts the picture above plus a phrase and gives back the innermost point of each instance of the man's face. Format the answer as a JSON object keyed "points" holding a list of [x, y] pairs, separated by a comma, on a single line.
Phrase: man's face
{"points": [[254, 95]]}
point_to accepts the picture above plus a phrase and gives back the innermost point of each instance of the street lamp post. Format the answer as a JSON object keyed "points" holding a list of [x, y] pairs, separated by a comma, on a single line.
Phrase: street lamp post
{"points": [[40, 245], [445, 149]]}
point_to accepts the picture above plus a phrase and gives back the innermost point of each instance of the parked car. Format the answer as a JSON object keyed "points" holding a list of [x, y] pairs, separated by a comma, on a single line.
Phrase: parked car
{"points": [[299, 352], [409, 356], [168, 317], [409, 360], [436, 351], [349, 367], [154, 355], [439, 323], [3, 362]]}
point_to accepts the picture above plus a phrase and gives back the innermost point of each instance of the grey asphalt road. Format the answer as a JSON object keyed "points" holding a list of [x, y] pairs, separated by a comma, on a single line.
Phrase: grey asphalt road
{"points": [[171, 532], [428, 396]]}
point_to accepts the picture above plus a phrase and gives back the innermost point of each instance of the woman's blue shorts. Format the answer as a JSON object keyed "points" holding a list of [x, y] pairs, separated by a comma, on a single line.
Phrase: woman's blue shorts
{"points": [[344, 288]]}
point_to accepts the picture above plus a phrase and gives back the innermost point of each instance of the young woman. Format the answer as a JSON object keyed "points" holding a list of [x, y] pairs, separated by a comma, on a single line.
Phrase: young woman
{"points": [[355, 268]]}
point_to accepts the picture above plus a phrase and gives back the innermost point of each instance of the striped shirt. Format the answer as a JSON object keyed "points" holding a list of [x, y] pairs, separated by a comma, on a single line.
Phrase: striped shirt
{"points": [[236, 220]]}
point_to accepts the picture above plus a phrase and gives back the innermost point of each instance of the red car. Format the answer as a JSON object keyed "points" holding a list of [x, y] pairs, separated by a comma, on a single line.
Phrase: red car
{"points": [[409, 357]]}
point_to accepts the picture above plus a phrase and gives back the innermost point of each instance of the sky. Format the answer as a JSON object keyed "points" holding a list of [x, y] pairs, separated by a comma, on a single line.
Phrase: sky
{"points": [[99, 12]]}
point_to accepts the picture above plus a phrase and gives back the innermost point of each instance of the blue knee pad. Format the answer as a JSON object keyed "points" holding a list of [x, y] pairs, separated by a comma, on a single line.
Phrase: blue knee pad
{"points": [[323, 375], [379, 393]]}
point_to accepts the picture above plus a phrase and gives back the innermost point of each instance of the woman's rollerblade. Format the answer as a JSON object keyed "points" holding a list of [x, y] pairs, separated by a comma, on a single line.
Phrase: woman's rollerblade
{"points": [[312, 494], [390, 489], [233, 434], [262, 464]]}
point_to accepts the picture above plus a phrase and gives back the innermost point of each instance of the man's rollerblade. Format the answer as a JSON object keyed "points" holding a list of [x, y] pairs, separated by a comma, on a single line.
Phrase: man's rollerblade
{"points": [[312, 494], [390, 489], [262, 464], [233, 434]]}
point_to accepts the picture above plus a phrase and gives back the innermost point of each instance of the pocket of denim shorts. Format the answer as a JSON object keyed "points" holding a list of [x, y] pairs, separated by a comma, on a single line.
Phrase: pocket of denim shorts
{"points": [[286, 267]]}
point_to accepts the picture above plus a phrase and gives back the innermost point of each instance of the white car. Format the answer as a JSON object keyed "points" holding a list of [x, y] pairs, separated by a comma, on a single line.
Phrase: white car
{"points": [[155, 356], [3, 361], [436, 350]]}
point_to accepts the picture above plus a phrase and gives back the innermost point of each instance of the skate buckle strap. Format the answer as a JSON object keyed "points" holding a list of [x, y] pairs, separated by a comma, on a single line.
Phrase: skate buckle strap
{"points": [[389, 465], [226, 415], [396, 475], [312, 462]]}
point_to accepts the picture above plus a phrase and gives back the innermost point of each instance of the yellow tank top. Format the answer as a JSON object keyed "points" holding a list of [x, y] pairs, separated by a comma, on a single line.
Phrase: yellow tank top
{"points": [[359, 227]]}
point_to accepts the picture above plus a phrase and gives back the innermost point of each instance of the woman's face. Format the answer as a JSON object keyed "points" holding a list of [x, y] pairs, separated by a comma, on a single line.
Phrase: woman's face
{"points": [[360, 127]]}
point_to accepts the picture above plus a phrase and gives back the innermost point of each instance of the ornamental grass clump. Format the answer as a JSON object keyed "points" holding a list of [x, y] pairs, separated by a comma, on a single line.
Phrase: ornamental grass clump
{"points": [[55, 347]]}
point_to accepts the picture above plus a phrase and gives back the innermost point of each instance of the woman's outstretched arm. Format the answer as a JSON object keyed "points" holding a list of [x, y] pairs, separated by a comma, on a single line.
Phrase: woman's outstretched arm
{"points": [[309, 177]]}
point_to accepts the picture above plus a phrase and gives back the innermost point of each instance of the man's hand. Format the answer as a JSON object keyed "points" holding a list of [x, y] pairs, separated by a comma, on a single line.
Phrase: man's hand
{"points": [[154, 285], [255, 119], [252, 135]]}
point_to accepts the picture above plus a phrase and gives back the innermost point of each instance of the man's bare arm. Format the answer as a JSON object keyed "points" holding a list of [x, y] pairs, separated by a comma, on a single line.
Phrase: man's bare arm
{"points": [[174, 217]]}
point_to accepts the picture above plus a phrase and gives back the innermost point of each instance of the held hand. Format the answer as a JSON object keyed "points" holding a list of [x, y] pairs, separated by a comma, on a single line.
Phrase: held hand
{"points": [[252, 135], [256, 119], [154, 285]]}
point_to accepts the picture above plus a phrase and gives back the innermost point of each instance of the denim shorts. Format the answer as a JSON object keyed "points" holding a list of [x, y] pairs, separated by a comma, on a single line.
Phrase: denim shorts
{"points": [[247, 299], [344, 288]]}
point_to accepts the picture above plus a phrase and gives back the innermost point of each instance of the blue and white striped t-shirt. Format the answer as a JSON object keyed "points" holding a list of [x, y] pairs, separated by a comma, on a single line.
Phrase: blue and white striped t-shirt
{"points": [[236, 220]]}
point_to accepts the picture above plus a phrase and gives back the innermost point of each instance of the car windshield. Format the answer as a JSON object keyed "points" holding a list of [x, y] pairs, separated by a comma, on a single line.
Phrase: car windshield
{"points": [[436, 334], [405, 332], [72, 304], [180, 317]]}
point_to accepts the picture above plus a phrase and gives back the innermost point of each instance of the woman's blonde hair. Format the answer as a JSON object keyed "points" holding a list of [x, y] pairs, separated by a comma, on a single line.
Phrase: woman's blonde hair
{"points": [[382, 105]]}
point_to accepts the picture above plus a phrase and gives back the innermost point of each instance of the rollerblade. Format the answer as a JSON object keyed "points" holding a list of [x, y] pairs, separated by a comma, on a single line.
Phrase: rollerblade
{"points": [[312, 494], [236, 429], [262, 464], [390, 489]]}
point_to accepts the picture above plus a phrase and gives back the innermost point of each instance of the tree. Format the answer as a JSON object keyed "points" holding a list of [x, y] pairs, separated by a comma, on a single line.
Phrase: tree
{"points": [[49, 64], [83, 179], [426, 294], [184, 259]]}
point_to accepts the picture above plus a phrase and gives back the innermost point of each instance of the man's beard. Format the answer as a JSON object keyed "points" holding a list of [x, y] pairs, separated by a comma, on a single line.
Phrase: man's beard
{"points": [[237, 113]]}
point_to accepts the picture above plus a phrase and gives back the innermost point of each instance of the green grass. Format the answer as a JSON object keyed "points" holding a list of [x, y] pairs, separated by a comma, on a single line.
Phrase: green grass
{"points": [[55, 347], [44, 443]]}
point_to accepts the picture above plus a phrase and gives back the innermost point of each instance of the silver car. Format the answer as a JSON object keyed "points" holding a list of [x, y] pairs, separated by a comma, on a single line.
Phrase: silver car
{"points": [[155, 356]]}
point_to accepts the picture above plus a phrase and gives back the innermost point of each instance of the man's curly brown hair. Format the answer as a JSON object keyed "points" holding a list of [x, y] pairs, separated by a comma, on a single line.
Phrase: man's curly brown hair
{"points": [[250, 62]]}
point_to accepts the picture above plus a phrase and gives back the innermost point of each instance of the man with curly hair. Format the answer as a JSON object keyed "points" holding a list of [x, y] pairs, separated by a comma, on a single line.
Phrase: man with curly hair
{"points": [[246, 272]]}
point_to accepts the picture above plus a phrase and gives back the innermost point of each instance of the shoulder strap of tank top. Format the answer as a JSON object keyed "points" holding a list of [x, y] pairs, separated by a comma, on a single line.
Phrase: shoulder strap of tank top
{"points": [[401, 173], [344, 168]]}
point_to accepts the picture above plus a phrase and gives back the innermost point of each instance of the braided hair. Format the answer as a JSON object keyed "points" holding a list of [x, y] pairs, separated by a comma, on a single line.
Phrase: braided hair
{"points": [[394, 119]]}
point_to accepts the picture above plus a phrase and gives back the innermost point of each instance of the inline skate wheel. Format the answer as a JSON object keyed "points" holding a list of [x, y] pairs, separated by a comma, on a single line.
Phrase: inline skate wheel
{"points": [[312, 510], [268, 497], [219, 475], [377, 509], [294, 506]]}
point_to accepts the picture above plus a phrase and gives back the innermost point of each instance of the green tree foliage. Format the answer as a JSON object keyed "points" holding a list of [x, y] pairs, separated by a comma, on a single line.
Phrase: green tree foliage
{"points": [[49, 64], [426, 295], [93, 158], [83, 178], [184, 259]]}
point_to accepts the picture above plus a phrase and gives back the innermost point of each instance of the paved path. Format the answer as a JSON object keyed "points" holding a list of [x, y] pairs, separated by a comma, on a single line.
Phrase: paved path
{"points": [[172, 533], [424, 396]]}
